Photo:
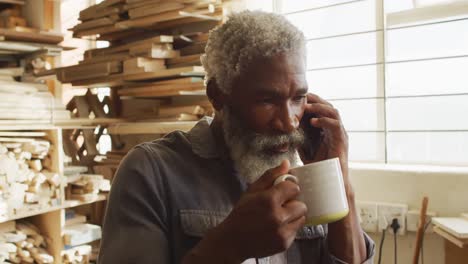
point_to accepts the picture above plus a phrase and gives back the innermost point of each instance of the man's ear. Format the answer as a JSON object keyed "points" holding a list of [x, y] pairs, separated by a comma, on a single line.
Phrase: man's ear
{"points": [[216, 96]]}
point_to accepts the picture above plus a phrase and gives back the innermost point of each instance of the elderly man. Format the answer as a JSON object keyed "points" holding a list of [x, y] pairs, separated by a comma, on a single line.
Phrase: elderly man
{"points": [[207, 196]]}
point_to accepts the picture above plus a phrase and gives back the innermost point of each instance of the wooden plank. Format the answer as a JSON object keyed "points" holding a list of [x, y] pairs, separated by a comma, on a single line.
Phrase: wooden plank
{"points": [[132, 108], [48, 209], [148, 127], [138, 1], [156, 9], [194, 49], [96, 11], [174, 111], [9, 226], [15, 47], [105, 58], [22, 134], [12, 21], [85, 122], [41, 37], [100, 22], [159, 91], [141, 65], [12, 71], [88, 71], [125, 34], [15, 2], [107, 3], [186, 25], [169, 73], [166, 16], [155, 51], [182, 61], [163, 40], [129, 6], [33, 114], [44, 73], [26, 104], [105, 81], [16, 87], [95, 31]]}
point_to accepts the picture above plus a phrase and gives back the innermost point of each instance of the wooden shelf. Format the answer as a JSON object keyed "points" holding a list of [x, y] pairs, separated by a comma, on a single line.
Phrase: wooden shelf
{"points": [[67, 204], [33, 37], [15, 2], [86, 122], [18, 48], [25, 125], [22, 125], [149, 127]]}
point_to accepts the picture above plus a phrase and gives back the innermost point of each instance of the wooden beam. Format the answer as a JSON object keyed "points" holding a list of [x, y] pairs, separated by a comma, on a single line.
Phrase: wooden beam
{"points": [[88, 71], [156, 9], [142, 65], [160, 91], [169, 73], [163, 40], [35, 37], [149, 127]]}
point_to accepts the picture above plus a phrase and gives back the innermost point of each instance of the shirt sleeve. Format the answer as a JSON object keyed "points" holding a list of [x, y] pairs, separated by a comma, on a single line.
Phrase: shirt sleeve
{"points": [[135, 229], [370, 248]]}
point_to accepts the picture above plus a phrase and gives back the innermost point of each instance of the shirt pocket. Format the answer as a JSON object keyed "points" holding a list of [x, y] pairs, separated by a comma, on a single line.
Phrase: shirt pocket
{"points": [[197, 222]]}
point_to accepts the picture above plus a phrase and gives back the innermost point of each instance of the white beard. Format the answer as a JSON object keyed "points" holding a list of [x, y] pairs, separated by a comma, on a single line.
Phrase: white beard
{"points": [[249, 149]]}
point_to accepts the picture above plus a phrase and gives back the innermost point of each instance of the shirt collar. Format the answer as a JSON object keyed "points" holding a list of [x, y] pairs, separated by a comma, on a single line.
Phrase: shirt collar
{"points": [[202, 139]]}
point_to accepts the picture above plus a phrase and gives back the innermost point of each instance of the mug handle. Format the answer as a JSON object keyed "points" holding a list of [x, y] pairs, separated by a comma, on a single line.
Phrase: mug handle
{"points": [[286, 177]]}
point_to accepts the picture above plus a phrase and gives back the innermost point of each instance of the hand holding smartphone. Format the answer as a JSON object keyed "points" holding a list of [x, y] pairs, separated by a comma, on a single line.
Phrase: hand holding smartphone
{"points": [[313, 137]]}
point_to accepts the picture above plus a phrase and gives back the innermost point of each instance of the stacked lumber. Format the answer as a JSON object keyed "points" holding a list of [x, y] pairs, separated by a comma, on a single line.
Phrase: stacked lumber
{"points": [[113, 18], [73, 173], [80, 234], [150, 41], [27, 101], [26, 180], [80, 254], [22, 242], [77, 255], [164, 110], [152, 65], [14, 27], [87, 187]]}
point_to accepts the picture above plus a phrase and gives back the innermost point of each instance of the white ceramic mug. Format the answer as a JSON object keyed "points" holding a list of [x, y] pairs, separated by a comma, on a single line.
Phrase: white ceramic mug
{"points": [[322, 190]]}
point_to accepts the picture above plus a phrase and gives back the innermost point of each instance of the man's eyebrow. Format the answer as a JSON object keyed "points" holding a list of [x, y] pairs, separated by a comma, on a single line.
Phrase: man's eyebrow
{"points": [[263, 91], [302, 90]]}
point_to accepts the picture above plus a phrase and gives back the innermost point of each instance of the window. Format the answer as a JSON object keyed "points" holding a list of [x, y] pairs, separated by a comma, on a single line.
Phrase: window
{"points": [[396, 72]]}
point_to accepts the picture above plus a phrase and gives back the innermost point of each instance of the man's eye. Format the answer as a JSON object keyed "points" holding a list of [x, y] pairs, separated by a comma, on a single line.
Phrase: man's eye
{"points": [[299, 98]]}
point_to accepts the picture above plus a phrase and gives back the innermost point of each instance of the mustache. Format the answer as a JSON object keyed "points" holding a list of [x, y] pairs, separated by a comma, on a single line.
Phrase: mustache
{"points": [[262, 142]]}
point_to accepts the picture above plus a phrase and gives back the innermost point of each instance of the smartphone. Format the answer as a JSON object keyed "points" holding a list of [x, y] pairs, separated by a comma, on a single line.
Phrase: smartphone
{"points": [[312, 135]]}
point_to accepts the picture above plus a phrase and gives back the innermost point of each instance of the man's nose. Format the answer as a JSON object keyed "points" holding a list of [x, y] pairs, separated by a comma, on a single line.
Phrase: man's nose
{"points": [[286, 120]]}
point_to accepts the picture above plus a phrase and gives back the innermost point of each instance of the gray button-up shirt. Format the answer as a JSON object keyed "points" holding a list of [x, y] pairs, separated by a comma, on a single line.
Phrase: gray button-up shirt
{"points": [[169, 192]]}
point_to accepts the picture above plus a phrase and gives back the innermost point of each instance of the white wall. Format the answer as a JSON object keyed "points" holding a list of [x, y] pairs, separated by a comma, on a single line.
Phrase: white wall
{"points": [[447, 189]]}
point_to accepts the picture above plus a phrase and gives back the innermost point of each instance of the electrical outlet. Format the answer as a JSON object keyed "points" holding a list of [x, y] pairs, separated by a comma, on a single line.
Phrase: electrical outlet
{"points": [[412, 220], [389, 211], [367, 212]]}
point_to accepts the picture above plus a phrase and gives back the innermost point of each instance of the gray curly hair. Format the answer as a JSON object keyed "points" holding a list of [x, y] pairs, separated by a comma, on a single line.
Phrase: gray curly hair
{"points": [[247, 35]]}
